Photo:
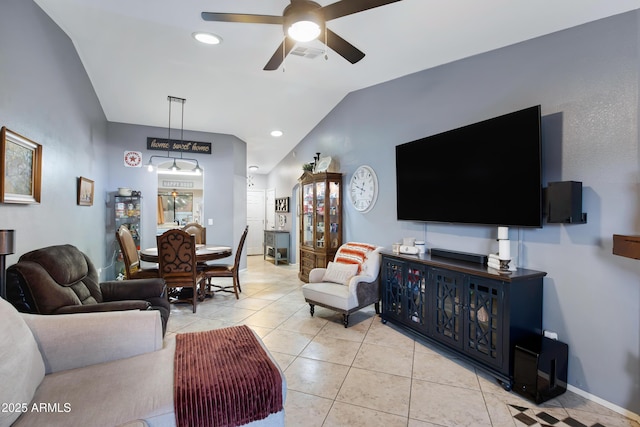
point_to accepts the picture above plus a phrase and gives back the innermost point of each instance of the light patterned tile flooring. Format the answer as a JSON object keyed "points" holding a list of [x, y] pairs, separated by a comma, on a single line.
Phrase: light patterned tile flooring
{"points": [[370, 374]]}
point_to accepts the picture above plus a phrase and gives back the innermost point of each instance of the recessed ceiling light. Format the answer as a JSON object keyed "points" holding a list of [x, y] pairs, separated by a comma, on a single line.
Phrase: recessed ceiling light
{"points": [[207, 38], [276, 133]]}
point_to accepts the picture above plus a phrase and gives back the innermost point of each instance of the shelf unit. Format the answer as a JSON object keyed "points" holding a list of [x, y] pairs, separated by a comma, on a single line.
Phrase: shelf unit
{"points": [[470, 309], [127, 212], [276, 246], [321, 220], [626, 246]]}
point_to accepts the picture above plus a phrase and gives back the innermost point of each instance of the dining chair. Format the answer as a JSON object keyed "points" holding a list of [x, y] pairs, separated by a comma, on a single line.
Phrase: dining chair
{"points": [[177, 261], [226, 270], [197, 230], [131, 257]]}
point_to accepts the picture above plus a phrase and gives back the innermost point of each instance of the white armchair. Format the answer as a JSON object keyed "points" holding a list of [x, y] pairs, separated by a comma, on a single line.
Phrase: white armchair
{"points": [[349, 283]]}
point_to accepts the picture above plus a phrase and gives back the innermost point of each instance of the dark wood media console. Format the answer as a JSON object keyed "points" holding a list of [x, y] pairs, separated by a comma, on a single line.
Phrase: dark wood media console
{"points": [[469, 309]]}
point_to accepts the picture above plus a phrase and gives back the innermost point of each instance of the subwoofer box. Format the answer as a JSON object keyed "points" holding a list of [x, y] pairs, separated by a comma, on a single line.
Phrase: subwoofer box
{"points": [[540, 368]]}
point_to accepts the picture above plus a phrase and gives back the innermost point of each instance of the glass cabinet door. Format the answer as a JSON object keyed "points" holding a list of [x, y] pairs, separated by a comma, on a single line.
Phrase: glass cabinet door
{"points": [[416, 289], [307, 215], [320, 214], [483, 337], [393, 288], [334, 214], [448, 287]]}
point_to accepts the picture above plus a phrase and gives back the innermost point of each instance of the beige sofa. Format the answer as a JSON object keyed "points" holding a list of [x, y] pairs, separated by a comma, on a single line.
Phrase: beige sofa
{"points": [[89, 369]]}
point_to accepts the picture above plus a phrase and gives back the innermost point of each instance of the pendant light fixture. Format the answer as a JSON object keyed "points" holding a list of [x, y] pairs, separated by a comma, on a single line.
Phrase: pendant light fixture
{"points": [[174, 167]]}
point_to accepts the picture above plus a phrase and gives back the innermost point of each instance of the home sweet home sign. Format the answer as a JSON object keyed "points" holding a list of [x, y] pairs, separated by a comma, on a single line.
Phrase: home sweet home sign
{"points": [[178, 145]]}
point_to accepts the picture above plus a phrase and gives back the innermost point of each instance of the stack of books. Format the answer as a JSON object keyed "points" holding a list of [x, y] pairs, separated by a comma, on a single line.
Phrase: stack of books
{"points": [[493, 261]]}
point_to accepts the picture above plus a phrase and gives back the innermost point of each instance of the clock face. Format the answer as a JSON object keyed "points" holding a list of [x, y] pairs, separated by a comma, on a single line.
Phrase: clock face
{"points": [[363, 188]]}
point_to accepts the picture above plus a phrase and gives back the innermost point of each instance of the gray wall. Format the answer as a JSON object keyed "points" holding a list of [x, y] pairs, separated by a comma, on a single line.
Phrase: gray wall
{"points": [[224, 181], [46, 95], [587, 81]]}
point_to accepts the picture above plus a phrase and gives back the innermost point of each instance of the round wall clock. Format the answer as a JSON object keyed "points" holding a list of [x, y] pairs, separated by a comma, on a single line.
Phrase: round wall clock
{"points": [[363, 188]]}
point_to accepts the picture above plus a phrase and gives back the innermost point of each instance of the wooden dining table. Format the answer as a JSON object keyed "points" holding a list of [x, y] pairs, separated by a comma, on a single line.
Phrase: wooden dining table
{"points": [[204, 253]]}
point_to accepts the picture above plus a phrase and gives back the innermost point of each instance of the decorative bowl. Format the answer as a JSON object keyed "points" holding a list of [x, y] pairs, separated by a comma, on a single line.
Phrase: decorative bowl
{"points": [[123, 191]]}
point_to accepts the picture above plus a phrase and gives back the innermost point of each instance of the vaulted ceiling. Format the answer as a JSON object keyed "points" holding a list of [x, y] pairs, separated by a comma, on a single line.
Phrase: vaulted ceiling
{"points": [[137, 53]]}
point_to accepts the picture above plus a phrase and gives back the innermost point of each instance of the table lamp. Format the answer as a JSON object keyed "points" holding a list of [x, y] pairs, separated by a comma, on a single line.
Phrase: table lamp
{"points": [[7, 247]]}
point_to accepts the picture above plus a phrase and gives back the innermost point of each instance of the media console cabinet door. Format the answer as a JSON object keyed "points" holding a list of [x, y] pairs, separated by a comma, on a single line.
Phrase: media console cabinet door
{"points": [[448, 287], [405, 293]]}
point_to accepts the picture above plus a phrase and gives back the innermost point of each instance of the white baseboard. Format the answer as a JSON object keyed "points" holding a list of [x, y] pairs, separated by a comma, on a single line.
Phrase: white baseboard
{"points": [[606, 404]]}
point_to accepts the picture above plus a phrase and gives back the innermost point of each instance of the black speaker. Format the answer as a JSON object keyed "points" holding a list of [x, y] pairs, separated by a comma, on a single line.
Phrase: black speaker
{"points": [[540, 369], [564, 203]]}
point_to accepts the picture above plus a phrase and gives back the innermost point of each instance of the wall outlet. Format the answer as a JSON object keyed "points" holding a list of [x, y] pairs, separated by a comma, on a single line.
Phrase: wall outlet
{"points": [[210, 221]]}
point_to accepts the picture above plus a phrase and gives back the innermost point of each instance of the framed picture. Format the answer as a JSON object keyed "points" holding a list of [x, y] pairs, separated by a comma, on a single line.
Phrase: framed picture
{"points": [[21, 175], [85, 192], [282, 204]]}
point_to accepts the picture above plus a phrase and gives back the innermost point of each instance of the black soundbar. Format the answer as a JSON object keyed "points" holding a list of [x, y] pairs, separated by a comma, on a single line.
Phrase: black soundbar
{"points": [[461, 256]]}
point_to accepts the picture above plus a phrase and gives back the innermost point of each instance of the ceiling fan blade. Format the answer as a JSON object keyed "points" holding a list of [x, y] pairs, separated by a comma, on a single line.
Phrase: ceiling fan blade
{"points": [[341, 46], [348, 7], [241, 17], [283, 50]]}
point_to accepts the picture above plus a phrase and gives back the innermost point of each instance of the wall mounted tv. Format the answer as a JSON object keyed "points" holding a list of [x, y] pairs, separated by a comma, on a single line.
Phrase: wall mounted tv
{"points": [[484, 173]]}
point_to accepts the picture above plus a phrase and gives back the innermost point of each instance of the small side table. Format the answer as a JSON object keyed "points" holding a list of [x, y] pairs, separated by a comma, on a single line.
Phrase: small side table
{"points": [[276, 245]]}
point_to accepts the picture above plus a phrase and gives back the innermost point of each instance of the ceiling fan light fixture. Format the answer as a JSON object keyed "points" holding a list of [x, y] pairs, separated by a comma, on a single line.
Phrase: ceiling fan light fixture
{"points": [[304, 30], [305, 20]]}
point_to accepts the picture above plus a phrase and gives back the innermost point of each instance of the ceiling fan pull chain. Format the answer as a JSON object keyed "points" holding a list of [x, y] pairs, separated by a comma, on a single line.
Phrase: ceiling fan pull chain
{"points": [[284, 52], [326, 55]]}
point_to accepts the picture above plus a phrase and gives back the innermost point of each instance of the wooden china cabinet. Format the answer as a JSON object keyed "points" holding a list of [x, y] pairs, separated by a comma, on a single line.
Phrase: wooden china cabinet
{"points": [[321, 220]]}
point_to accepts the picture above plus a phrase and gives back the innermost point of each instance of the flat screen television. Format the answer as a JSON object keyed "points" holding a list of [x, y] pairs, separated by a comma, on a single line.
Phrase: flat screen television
{"points": [[484, 173]]}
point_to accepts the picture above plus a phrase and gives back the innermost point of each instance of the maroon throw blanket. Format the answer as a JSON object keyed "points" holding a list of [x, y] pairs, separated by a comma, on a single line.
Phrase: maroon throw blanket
{"points": [[224, 377]]}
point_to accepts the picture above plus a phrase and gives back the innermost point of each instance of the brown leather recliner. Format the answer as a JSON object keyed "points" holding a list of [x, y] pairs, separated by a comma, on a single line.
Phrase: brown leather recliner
{"points": [[61, 280]]}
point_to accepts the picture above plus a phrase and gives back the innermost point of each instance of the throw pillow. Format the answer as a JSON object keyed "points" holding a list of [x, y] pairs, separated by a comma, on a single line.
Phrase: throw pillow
{"points": [[354, 253], [340, 273]]}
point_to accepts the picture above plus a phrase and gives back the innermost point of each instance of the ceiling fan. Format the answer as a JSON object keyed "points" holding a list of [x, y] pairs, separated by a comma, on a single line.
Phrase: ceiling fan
{"points": [[305, 20]]}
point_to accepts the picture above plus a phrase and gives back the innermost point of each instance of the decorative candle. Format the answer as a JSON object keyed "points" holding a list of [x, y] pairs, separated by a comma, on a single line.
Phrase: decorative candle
{"points": [[503, 233], [504, 249]]}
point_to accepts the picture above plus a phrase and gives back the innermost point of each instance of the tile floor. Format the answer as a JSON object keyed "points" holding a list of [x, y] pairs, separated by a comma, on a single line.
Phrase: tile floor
{"points": [[370, 374]]}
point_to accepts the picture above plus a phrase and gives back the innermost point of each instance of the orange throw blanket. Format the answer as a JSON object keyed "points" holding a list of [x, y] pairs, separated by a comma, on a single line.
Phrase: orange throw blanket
{"points": [[224, 377]]}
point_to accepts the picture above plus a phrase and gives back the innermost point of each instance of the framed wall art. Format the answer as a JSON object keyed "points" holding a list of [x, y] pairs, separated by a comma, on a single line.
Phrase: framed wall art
{"points": [[21, 175], [282, 204], [85, 191]]}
